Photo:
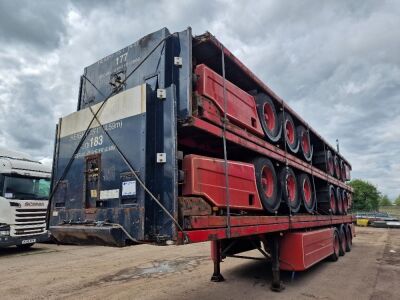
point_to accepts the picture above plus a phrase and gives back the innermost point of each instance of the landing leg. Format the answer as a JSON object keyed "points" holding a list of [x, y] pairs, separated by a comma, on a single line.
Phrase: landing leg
{"points": [[276, 284], [216, 257]]}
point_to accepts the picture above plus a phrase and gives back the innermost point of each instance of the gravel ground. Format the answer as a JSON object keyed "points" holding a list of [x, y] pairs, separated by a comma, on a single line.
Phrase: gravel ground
{"points": [[370, 271]]}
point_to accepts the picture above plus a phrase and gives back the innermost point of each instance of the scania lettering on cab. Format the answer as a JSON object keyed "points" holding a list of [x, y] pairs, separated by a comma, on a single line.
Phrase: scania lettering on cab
{"points": [[24, 192]]}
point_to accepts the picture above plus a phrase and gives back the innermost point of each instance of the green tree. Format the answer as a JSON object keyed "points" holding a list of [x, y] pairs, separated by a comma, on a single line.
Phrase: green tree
{"points": [[397, 201], [384, 201], [366, 196]]}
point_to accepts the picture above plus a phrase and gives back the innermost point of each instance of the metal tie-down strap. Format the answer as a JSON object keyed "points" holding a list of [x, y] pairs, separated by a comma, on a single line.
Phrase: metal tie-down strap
{"points": [[286, 160], [312, 173], [225, 120]]}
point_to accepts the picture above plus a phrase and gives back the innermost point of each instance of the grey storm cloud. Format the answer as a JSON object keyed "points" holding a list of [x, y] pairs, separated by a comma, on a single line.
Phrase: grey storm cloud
{"points": [[336, 63], [31, 23]]}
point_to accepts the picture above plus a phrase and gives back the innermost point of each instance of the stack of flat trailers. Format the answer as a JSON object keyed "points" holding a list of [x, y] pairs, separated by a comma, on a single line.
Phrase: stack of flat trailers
{"points": [[174, 139]]}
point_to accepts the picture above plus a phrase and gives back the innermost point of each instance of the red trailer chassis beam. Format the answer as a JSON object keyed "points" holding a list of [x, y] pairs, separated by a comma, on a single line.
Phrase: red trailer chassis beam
{"points": [[202, 226], [241, 137]]}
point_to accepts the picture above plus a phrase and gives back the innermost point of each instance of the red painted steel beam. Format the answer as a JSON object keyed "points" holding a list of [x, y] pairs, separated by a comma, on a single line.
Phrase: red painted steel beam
{"points": [[197, 236], [258, 145], [253, 225], [312, 218], [201, 222], [300, 225]]}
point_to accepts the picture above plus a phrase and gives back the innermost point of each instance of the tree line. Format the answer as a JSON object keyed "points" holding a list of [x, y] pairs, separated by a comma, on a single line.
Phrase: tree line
{"points": [[366, 196]]}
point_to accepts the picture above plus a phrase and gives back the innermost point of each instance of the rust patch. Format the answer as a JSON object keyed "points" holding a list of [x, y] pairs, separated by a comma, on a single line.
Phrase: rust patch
{"points": [[90, 210]]}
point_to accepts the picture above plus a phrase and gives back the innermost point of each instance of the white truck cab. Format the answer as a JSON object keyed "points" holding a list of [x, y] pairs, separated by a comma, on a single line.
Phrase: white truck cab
{"points": [[24, 192]]}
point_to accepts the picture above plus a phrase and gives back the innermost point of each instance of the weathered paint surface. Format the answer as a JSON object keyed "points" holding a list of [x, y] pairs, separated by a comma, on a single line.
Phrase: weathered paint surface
{"points": [[99, 186]]}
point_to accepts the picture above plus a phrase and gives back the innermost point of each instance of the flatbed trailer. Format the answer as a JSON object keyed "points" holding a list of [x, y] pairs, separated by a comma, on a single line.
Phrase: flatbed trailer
{"points": [[176, 141], [290, 243]]}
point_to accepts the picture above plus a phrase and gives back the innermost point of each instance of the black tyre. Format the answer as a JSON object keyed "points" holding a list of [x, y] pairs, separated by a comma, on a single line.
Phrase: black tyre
{"points": [[337, 167], [339, 201], [336, 246], [342, 170], [330, 163], [345, 200], [327, 200], [306, 192], [332, 200], [269, 119], [342, 239], [289, 189], [25, 246], [324, 160], [290, 134], [267, 184], [305, 143], [349, 237]]}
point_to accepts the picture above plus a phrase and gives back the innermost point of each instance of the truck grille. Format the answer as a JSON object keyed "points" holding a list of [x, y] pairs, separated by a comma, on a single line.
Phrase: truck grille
{"points": [[29, 221]]}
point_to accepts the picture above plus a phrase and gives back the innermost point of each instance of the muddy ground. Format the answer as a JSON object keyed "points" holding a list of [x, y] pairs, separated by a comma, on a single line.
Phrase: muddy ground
{"points": [[370, 271]]}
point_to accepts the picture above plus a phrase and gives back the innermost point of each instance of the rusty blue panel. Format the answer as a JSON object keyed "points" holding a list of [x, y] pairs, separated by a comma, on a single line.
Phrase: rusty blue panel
{"points": [[92, 190], [183, 49]]}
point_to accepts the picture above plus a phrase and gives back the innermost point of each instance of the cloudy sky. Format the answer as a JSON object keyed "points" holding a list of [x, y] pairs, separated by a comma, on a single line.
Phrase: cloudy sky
{"points": [[335, 62]]}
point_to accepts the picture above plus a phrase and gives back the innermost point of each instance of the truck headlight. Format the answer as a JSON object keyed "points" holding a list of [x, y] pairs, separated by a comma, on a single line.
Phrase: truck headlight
{"points": [[4, 230]]}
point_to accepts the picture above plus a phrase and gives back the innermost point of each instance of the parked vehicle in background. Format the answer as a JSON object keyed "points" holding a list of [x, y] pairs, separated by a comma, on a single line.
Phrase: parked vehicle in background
{"points": [[375, 216], [24, 192]]}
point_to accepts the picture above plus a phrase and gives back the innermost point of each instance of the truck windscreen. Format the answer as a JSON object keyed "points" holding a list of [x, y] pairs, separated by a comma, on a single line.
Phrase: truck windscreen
{"points": [[19, 187]]}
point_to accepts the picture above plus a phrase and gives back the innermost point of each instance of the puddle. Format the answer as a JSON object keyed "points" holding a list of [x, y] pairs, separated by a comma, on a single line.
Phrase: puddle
{"points": [[390, 254], [157, 268]]}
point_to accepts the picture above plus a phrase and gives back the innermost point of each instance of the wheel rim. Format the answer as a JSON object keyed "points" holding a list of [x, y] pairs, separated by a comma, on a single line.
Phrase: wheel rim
{"points": [[291, 187], [289, 132], [269, 116], [307, 192], [267, 180], [339, 207], [305, 143]]}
